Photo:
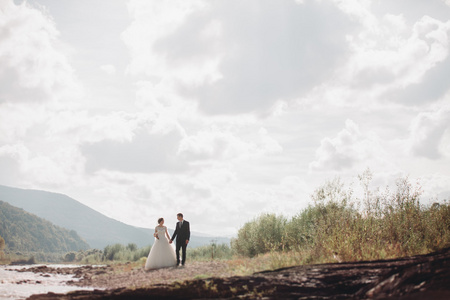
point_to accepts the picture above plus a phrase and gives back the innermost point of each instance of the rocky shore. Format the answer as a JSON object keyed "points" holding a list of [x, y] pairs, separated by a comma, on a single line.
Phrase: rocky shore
{"points": [[417, 277]]}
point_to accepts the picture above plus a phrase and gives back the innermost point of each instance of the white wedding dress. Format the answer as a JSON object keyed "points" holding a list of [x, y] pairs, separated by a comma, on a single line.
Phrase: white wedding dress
{"points": [[162, 254]]}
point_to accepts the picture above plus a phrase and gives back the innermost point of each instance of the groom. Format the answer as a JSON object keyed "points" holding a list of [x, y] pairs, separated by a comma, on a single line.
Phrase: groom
{"points": [[183, 233]]}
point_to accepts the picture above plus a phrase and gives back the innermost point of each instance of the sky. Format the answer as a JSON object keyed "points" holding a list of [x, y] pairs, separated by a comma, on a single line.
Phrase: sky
{"points": [[225, 109]]}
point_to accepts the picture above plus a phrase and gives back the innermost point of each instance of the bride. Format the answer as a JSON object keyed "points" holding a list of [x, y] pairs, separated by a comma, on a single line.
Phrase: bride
{"points": [[162, 254]]}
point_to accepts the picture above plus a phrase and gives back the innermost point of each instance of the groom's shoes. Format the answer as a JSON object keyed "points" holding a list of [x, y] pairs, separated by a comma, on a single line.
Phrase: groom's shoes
{"points": [[180, 264]]}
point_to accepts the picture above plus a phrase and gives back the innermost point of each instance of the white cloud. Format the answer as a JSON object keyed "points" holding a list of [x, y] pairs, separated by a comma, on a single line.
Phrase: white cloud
{"points": [[348, 150], [235, 69], [50, 167], [227, 108], [435, 187], [393, 60], [81, 126], [145, 153], [17, 151], [108, 69], [390, 57], [429, 133], [162, 109], [17, 118], [154, 21], [359, 10], [32, 66], [222, 144], [11, 157]]}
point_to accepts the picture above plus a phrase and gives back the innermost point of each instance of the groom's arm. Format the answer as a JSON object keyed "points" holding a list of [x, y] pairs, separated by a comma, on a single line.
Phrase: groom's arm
{"points": [[188, 236], [174, 233]]}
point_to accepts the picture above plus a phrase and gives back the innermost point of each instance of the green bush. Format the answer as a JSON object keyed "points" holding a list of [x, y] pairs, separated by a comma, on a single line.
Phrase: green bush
{"points": [[300, 231], [210, 252], [265, 233], [340, 225], [70, 257]]}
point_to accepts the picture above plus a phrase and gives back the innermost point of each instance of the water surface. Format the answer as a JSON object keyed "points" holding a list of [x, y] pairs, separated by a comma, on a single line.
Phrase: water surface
{"points": [[20, 285]]}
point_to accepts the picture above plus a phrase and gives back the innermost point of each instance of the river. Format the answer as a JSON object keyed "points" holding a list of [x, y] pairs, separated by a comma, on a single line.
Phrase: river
{"points": [[20, 285]]}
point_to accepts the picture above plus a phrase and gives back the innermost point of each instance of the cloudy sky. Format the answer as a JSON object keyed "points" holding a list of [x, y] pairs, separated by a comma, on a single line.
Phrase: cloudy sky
{"points": [[225, 109]]}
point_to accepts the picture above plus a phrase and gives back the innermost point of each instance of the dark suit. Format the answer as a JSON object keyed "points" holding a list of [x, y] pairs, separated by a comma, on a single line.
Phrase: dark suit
{"points": [[182, 233]]}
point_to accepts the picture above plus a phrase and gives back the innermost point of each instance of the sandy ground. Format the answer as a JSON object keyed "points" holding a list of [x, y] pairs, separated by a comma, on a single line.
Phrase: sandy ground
{"points": [[130, 276], [138, 277]]}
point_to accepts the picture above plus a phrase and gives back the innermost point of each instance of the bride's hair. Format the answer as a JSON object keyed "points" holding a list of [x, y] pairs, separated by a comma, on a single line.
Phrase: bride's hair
{"points": [[160, 220]]}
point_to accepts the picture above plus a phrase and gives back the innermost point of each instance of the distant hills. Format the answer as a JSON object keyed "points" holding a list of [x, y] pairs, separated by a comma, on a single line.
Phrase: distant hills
{"points": [[23, 231], [95, 228]]}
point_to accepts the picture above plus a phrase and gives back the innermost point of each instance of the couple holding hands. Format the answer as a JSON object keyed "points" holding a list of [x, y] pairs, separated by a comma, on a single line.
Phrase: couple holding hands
{"points": [[162, 254]]}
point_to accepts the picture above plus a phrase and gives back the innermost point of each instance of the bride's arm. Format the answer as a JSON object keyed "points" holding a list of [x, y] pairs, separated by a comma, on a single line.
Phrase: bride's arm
{"points": [[167, 234], [156, 233]]}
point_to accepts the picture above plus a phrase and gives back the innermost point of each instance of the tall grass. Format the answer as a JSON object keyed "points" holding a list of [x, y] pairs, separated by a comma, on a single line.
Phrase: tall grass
{"points": [[210, 252], [339, 226]]}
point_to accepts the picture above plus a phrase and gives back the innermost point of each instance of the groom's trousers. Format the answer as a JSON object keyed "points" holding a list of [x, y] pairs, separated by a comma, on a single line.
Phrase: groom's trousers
{"points": [[181, 246]]}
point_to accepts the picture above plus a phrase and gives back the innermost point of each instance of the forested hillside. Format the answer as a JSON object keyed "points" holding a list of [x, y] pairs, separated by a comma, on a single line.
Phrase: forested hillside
{"points": [[26, 232]]}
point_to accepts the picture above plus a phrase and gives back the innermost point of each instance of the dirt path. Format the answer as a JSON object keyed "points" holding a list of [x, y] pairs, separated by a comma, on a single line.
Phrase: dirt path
{"points": [[138, 277]]}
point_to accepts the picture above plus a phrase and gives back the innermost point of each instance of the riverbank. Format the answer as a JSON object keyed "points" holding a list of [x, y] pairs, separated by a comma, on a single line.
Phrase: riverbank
{"points": [[417, 277], [18, 283]]}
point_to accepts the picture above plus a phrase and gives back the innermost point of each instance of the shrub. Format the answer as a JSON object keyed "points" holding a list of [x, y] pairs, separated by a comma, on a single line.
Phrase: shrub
{"points": [[339, 225], [70, 257], [209, 252], [263, 234], [112, 252]]}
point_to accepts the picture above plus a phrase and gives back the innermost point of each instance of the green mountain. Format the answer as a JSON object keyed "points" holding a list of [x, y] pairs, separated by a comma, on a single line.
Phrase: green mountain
{"points": [[23, 231], [96, 229]]}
